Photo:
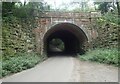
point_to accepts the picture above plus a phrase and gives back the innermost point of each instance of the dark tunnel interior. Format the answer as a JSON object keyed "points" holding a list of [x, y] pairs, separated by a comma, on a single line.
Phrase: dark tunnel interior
{"points": [[71, 43], [71, 35]]}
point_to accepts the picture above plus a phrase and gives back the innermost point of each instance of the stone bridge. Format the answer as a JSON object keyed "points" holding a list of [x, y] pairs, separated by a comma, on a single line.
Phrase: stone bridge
{"points": [[73, 28]]}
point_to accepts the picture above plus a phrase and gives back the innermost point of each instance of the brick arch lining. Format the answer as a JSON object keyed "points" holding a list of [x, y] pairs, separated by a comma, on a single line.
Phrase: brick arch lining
{"points": [[72, 36]]}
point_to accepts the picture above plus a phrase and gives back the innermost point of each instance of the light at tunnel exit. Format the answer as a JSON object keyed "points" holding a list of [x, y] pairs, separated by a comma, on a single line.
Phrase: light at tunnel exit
{"points": [[68, 36]]}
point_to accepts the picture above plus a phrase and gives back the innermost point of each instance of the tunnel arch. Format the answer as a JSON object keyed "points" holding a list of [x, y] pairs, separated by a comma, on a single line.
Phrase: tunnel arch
{"points": [[72, 36]]}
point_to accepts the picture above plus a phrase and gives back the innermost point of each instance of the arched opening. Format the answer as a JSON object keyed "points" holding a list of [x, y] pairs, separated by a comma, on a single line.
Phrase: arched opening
{"points": [[56, 46], [72, 36]]}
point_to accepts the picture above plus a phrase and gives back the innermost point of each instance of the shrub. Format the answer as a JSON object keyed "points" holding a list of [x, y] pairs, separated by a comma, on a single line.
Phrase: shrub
{"points": [[20, 62], [108, 56], [0, 69]]}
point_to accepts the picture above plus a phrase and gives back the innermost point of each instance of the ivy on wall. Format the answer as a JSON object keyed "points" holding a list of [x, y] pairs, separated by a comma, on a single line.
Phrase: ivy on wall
{"points": [[16, 36], [107, 34]]}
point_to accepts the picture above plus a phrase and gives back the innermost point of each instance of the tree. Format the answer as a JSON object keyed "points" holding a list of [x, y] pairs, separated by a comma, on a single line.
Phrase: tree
{"points": [[103, 7], [7, 8], [118, 8]]}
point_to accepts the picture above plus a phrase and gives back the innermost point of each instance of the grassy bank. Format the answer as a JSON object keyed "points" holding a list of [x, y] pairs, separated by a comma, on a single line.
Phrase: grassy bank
{"points": [[19, 63], [107, 56]]}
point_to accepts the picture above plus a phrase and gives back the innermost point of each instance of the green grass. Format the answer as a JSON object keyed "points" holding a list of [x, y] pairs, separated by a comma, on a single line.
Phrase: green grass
{"points": [[19, 63], [107, 56]]}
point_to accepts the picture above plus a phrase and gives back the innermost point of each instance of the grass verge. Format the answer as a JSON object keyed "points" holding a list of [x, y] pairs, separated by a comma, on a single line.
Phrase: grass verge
{"points": [[19, 63], [107, 56]]}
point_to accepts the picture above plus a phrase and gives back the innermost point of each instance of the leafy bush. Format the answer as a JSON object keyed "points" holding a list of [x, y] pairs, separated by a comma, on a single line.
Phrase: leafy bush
{"points": [[108, 56], [20, 62], [109, 18], [0, 69]]}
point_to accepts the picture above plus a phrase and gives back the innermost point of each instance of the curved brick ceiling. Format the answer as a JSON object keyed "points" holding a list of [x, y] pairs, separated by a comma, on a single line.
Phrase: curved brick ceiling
{"points": [[72, 36]]}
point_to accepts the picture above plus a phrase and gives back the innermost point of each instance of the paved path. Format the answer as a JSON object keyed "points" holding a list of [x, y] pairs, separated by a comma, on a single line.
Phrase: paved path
{"points": [[52, 70], [66, 69], [86, 71]]}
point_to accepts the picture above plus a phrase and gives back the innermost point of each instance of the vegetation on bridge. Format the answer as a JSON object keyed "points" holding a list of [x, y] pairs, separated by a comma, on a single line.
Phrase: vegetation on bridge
{"points": [[104, 48], [18, 22], [18, 40], [20, 19]]}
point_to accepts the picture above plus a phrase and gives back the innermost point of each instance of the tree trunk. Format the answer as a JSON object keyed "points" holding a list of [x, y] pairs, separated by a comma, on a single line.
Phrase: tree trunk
{"points": [[118, 7]]}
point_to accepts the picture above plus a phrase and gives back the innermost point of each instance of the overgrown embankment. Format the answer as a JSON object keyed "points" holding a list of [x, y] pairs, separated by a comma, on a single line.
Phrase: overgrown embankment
{"points": [[107, 56], [18, 40], [104, 48], [20, 62]]}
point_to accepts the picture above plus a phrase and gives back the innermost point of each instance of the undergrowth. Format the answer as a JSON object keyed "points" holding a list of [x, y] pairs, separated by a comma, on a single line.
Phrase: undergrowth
{"points": [[107, 56], [19, 63]]}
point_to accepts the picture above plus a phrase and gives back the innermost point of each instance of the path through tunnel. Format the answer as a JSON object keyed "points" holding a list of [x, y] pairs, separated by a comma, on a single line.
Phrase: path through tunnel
{"points": [[72, 38]]}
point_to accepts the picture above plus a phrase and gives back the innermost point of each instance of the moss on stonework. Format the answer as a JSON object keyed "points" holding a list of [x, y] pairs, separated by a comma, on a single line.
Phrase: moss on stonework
{"points": [[107, 35], [15, 38]]}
